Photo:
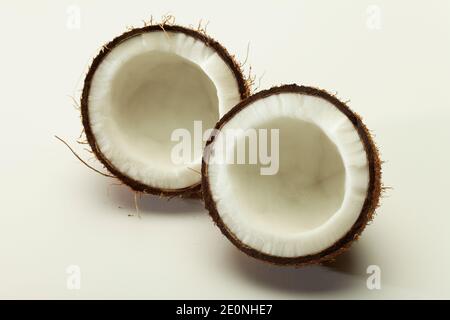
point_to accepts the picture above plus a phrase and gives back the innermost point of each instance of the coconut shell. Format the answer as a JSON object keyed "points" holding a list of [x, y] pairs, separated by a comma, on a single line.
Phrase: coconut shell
{"points": [[193, 191], [370, 203]]}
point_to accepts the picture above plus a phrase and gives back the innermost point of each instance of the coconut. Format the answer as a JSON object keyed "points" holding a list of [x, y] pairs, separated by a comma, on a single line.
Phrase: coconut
{"points": [[325, 189], [147, 83]]}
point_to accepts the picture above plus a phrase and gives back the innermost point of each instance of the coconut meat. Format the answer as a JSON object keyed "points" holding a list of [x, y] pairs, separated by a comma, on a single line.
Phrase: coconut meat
{"points": [[146, 87], [320, 187]]}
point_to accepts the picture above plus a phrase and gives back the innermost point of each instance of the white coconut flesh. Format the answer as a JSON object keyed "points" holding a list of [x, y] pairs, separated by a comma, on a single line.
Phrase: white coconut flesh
{"points": [[145, 88], [318, 192]]}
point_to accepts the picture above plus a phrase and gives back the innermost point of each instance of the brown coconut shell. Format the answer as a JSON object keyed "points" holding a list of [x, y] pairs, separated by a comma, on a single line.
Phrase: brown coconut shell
{"points": [[370, 203], [193, 191]]}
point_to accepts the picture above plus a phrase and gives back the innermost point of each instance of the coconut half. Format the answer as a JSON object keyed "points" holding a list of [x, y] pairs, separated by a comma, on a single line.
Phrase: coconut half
{"points": [[145, 84], [326, 188]]}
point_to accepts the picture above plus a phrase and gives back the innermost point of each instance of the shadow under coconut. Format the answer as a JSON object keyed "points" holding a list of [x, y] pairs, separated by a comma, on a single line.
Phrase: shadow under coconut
{"points": [[124, 197], [352, 262], [315, 278]]}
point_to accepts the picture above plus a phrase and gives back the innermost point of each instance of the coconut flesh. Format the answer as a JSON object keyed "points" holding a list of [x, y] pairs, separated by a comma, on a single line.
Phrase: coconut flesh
{"points": [[150, 82], [324, 192]]}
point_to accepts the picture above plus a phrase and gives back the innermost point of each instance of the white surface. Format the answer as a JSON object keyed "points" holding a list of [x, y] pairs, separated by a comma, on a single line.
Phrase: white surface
{"points": [[57, 213], [318, 191]]}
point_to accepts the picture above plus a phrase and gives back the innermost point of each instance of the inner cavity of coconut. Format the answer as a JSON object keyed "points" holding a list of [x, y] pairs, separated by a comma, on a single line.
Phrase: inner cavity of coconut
{"points": [[154, 94], [319, 190], [306, 191]]}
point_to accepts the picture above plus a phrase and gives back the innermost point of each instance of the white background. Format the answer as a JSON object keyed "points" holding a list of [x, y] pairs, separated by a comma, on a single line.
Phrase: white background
{"points": [[55, 212]]}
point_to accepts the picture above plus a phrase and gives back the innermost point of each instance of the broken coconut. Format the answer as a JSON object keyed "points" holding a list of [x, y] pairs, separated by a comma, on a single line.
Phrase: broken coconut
{"points": [[324, 192], [145, 84]]}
